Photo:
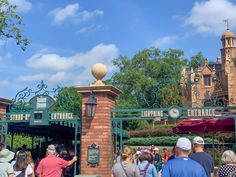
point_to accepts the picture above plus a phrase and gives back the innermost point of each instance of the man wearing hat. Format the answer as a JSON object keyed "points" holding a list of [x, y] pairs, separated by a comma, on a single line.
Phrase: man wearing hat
{"points": [[182, 165], [52, 166], [6, 169], [202, 157]]}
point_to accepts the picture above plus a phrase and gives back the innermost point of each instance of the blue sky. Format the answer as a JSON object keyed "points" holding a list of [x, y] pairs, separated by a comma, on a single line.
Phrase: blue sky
{"points": [[69, 36]]}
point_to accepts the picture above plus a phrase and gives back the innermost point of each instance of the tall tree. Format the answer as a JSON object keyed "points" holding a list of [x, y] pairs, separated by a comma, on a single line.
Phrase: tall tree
{"points": [[150, 79], [10, 23], [68, 99], [197, 60]]}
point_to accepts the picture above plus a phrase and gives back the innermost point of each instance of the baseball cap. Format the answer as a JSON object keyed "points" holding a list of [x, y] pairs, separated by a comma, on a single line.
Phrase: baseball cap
{"points": [[198, 140], [156, 149], [51, 149], [183, 143]]}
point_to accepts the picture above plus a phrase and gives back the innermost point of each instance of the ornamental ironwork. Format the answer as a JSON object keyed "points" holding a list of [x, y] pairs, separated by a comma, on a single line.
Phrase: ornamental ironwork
{"points": [[21, 101]]}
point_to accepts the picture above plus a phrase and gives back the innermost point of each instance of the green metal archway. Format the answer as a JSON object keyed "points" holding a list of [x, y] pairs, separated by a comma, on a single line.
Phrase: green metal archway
{"points": [[30, 113], [118, 116]]}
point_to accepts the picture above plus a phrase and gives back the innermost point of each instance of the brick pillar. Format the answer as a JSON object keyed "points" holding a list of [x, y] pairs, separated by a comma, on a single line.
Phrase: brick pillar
{"points": [[98, 129]]}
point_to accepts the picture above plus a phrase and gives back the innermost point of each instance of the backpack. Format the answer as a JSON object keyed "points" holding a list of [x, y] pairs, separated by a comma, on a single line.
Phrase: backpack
{"points": [[21, 174]]}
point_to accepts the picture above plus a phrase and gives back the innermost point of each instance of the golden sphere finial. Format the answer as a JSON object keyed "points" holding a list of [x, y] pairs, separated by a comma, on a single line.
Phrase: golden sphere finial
{"points": [[99, 71]]}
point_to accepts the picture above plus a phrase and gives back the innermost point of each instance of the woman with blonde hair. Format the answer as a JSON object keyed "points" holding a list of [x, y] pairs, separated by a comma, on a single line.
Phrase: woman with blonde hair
{"points": [[228, 167], [126, 168], [21, 167], [30, 161]]}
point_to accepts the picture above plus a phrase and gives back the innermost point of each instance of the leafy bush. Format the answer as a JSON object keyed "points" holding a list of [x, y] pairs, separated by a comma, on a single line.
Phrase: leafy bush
{"points": [[137, 124], [166, 130], [160, 141], [19, 141], [162, 131]]}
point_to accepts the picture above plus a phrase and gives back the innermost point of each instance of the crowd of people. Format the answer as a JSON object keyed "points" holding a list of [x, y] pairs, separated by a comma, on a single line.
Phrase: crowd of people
{"points": [[188, 159], [21, 163]]}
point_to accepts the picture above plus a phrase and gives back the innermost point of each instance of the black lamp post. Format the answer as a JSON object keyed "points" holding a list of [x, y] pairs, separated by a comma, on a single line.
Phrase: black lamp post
{"points": [[91, 105], [196, 80]]}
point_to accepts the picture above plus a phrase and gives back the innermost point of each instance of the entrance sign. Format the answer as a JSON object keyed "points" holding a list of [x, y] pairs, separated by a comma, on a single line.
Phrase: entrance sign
{"points": [[19, 116], [64, 115], [41, 102], [93, 155], [41, 105], [38, 115], [173, 112], [152, 113], [200, 112]]}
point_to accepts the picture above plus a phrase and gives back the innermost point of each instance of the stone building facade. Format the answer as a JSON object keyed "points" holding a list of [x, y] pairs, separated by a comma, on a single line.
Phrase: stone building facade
{"points": [[213, 84]]}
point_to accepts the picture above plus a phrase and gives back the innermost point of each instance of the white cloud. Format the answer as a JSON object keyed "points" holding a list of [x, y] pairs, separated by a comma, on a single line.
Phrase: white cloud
{"points": [[54, 62], [86, 15], [71, 12], [5, 59], [60, 14], [36, 77], [60, 77], [89, 29], [4, 42], [209, 16], [166, 40], [54, 68], [21, 5], [4, 83], [49, 61]]}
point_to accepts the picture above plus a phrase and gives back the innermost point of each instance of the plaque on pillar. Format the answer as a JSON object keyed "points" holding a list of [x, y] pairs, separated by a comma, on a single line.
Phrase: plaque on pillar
{"points": [[93, 155]]}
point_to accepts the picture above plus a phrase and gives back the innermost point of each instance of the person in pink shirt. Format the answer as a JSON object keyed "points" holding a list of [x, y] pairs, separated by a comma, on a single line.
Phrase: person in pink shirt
{"points": [[52, 166]]}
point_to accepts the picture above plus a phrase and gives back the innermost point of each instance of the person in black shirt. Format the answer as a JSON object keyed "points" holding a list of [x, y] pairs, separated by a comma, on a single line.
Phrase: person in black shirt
{"points": [[157, 159], [202, 157]]}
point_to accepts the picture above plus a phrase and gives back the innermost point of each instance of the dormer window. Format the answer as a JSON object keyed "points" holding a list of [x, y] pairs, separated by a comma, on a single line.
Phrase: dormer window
{"points": [[207, 80]]}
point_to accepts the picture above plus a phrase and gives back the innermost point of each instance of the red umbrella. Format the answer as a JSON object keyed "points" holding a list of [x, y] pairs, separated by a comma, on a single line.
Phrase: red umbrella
{"points": [[204, 125]]}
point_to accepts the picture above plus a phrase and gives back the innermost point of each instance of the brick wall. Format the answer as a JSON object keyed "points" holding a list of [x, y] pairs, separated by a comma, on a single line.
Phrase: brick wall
{"points": [[97, 130], [2, 109]]}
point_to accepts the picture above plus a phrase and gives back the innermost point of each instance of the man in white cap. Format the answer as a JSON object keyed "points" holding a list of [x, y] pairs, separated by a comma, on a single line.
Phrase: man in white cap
{"points": [[6, 169], [52, 166], [202, 157], [182, 166]]}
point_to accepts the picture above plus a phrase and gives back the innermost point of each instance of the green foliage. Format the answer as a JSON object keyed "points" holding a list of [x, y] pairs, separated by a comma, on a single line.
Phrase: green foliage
{"points": [[68, 99], [152, 132], [160, 141], [216, 153], [150, 79], [197, 60], [9, 24], [140, 124], [19, 141]]}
